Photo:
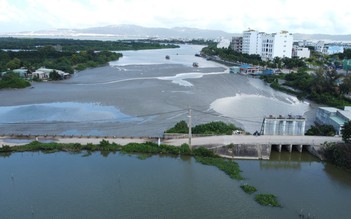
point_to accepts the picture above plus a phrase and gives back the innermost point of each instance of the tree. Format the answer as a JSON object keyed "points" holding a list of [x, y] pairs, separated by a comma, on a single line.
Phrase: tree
{"points": [[14, 63], [321, 130], [180, 127], [346, 132], [54, 75], [345, 87], [277, 62]]}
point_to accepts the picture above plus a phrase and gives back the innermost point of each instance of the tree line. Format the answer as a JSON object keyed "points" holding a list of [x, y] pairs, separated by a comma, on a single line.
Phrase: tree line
{"points": [[73, 45], [324, 86], [211, 128], [50, 58], [228, 54]]}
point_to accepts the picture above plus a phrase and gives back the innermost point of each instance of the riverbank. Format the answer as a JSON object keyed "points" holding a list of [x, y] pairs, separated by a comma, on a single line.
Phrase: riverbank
{"points": [[228, 146]]}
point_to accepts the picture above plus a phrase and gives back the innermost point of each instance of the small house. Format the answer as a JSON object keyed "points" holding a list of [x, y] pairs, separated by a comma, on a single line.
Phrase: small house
{"points": [[248, 69]]}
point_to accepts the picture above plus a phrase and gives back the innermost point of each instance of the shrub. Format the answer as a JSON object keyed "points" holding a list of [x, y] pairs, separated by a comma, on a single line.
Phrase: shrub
{"points": [[203, 152], [185, 150]]}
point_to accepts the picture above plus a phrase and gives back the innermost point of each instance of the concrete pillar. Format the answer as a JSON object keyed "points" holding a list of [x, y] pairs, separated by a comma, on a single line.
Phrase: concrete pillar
{"points": [[279, 148], [303, 127], [290, 148], [294, 127], [259, 151], [299, 148], [284, 128]]}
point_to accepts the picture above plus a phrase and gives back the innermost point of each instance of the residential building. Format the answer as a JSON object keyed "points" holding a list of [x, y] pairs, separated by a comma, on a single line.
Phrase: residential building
{"points": [[252, 42], [332, 49], [276, 45], [44, 73], [319, 47], [301, 52], [290, 125], [333, 116], [237, 44]]}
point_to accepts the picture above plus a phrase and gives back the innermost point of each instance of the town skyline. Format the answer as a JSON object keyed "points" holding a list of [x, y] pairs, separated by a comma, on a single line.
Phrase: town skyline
{"points": [[268, 16]]}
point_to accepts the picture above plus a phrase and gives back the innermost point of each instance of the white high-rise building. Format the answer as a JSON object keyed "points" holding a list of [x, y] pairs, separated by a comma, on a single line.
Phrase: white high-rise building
{"points": [[252, 42], [276, 45]]}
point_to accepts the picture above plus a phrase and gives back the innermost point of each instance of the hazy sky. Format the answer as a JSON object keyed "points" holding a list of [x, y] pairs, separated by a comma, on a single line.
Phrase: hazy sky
{"points": [[297, 16]]}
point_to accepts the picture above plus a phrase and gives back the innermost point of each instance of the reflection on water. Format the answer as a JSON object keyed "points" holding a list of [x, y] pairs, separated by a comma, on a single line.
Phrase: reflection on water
{"points": [[338, 175], [184, 55], [286, 160], [62, 112]]}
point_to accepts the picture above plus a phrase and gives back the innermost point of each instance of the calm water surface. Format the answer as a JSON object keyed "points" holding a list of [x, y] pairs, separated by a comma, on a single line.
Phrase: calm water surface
{"points": [[63, 185]]}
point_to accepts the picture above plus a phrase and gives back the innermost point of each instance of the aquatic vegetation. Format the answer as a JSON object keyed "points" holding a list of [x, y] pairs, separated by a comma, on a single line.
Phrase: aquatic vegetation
{"points": [[230, 167], [267, 200], [143, 156], [248, 189]]}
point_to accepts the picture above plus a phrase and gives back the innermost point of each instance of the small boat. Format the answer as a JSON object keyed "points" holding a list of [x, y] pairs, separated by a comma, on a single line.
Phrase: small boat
{"points": [[167, 57], [195, 64]]}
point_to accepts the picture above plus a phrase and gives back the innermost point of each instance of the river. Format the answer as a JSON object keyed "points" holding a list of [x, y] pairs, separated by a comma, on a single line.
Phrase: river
{"points": [[143, 94], [64, 185]]}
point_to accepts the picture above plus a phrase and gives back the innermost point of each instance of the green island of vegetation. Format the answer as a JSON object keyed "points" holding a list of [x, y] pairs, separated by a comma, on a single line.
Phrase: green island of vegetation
{"points": [[267, 200], [67, 55], [143, 150], [211, 128], [248, 189]]}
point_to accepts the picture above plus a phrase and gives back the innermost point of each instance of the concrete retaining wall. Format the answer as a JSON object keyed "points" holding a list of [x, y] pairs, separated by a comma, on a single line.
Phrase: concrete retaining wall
{"points": [[245, 151]]}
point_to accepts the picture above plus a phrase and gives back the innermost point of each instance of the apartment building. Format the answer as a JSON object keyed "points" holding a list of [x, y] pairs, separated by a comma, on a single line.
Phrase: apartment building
{"points": [[268, 46], [301, 52], [236, 44], [252, 42], [276, 45]]}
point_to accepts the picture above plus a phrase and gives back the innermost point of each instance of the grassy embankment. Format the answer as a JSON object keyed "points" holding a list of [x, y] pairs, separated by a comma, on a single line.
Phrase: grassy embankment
{"points": [[201, 154]]}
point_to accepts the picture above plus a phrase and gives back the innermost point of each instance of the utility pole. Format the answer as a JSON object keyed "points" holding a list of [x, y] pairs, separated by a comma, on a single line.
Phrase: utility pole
{"points": [[189, 126]]}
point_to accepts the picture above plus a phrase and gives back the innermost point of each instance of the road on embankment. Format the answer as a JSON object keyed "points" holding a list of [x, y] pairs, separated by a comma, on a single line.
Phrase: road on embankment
{"points": [[196, 141], [250, 139]]}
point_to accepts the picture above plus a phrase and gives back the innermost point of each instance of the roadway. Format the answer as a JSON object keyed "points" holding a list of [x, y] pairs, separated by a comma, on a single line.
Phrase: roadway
{"points": [[198, 141], [250, 139]]}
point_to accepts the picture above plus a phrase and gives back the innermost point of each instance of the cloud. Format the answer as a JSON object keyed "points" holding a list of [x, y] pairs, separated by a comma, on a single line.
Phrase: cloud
{"points": [[227, 15]]}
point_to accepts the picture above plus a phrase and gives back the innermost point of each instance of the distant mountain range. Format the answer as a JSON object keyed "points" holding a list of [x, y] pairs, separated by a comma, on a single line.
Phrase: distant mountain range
{"points": [[135, 32]]}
